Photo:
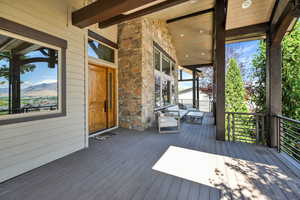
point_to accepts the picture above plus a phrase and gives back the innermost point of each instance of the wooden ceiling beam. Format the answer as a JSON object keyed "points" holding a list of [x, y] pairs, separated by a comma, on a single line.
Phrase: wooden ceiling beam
{"points": [[288, 14], [198, 66], [121, 18], [202, 12], [247, 30], [104, 10]]}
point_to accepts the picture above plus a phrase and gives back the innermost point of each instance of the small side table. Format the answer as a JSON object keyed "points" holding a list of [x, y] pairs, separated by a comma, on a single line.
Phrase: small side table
{"points": [[194, 117]]}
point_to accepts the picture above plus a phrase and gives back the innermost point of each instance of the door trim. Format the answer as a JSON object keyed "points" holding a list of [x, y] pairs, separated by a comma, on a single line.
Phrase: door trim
{"points": [[105, 65]]}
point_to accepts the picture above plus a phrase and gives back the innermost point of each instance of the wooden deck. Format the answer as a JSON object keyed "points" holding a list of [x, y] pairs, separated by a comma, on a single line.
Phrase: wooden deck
{"points": [[134, 165]]}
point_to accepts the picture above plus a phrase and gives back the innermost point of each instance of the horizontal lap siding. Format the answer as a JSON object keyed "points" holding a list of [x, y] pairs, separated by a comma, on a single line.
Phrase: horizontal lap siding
{"points": [[25, 146]]}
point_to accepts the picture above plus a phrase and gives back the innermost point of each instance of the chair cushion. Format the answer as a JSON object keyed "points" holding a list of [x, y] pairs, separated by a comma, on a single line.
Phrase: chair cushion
{"points": [[168, 122]]}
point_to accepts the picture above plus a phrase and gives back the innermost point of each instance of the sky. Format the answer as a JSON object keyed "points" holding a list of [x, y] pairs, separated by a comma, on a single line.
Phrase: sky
{"points": [[41, 74]]}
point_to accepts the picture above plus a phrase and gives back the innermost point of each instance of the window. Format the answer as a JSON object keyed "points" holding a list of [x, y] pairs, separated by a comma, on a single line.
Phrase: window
{"points": [[157, 90], [100, 51], [32, 79], [165, 93], [157, 59], [166, 67]]}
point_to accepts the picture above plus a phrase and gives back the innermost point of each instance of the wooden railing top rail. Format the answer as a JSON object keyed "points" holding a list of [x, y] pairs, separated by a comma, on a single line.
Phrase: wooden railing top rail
{"points": [[288, 119], [240, 113]]}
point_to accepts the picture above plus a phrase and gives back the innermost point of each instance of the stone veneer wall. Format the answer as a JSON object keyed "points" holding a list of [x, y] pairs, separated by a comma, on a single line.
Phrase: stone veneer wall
{"points": [[136, 70]]}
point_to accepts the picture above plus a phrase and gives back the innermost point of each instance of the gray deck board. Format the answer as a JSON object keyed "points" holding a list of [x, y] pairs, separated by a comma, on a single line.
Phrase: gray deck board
{"points": [[120, 168]]}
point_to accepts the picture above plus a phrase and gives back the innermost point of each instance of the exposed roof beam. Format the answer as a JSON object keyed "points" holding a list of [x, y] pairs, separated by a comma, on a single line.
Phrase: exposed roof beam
{"points": [[191, 68], [289, 13], [7, 43], [198, 66], [202, 12], [120, 18], [257, 29], [26, 48], [104, 10]]}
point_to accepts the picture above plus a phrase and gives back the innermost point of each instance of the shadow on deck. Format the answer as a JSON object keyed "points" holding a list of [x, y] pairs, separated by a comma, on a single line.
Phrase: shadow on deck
{"points": [[148, 165]]}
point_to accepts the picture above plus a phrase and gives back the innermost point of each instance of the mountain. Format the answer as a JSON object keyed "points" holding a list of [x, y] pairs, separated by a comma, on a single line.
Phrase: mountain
{"points": [[3, 91], [44, 89]]}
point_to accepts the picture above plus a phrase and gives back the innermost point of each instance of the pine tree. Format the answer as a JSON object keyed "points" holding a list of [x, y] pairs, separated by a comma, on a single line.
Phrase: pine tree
{"points": [[235, 90], [290, 75]]}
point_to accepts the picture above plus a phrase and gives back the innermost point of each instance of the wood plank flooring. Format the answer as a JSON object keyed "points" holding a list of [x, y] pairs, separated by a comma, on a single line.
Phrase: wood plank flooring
{"points": [[120, 168]]}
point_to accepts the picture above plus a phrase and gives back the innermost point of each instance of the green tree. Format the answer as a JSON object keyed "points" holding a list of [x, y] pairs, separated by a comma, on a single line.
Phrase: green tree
{"points": [[234, 89], [290, 75]]}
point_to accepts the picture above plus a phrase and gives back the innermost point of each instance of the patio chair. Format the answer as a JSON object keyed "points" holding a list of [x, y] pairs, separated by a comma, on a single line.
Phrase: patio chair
{"points": [[168, 122]]}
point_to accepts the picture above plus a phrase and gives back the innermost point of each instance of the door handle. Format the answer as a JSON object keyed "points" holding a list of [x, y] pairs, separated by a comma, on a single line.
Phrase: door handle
{"points": [[105, 106]]}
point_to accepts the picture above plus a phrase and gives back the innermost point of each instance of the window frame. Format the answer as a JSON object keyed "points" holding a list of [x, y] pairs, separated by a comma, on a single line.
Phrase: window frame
{"points": [[163, 76], [100, 59], [106, 42], [19, 31]]}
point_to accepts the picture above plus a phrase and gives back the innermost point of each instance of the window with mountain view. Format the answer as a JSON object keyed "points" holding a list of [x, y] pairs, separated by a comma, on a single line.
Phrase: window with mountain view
{"points": [[29, 76]]}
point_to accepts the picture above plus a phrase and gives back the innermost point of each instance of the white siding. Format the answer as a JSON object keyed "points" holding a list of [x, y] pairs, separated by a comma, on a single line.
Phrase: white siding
{"points": [[25, 146]]}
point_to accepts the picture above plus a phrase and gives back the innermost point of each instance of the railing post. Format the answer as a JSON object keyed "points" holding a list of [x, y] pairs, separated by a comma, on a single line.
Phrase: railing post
{"points": [[263, 131], [233, 127], [228, 126], [257, 129], [278, 130]]}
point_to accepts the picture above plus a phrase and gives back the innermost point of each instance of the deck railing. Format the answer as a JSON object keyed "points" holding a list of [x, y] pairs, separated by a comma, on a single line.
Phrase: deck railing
{"points": [[288, 132], [245, 127], [204, 105]]}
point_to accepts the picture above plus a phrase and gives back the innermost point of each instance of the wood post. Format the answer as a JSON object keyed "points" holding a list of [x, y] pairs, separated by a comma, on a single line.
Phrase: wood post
{"points": [[220, 23], [273, 87], [197, 84], [15, 82], [194, 89]]}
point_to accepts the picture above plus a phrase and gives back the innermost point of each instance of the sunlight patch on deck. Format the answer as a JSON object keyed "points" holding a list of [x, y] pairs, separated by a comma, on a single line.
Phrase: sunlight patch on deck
{"points": [[217, 170]]}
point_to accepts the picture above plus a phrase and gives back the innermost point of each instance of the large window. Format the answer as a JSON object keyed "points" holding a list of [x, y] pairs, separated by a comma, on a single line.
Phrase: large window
{"points": [[165, 72], [30, 78]]}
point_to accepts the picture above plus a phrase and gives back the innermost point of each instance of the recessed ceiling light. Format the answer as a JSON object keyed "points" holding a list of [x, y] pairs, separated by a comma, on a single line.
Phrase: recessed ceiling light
{"points": [[193, 1], [201, 31], [246, 4], [182, 35], [187, 55], [202, 54]]}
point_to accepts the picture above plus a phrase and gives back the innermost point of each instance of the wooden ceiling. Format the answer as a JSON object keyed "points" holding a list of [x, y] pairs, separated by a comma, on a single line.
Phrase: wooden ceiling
{"points": [[193, 41], [192, 33], [259, 12], [193, 36]]}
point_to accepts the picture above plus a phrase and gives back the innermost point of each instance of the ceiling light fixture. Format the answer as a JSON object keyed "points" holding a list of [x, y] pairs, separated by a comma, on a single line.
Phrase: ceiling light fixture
{"points": [[181, 35], [202, 54], [246, 4], [193, 1], [187, 55]]}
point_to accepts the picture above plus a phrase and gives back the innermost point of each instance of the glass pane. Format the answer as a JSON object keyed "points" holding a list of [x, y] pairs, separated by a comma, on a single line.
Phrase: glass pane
{"points": [[185, 93], [157, 91], [166, 90], [28, 77], [174, 96], [156, 59], [100, 51], [166, 66], [186, 75]]}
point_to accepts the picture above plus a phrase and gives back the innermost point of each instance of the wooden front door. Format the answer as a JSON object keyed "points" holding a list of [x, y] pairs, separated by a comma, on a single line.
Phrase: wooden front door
{"points": [[101, 98]]}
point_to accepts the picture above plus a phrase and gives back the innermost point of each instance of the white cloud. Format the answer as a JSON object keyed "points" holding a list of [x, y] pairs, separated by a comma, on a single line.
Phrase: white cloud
{"points": [[46, 81]]}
